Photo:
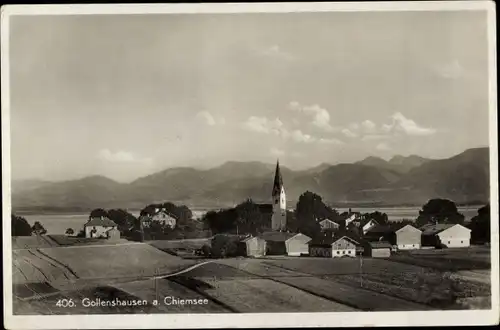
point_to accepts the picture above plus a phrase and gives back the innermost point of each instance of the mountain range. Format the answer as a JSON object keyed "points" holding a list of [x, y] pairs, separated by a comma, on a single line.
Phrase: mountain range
{"points": [[410, 180]]}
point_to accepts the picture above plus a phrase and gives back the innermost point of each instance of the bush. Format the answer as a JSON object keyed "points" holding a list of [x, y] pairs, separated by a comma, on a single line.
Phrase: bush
{"points": [[206, 250], [224, 246], [19, 226]]}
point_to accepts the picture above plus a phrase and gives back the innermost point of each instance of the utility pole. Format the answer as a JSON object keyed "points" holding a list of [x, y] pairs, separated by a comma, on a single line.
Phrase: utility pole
{"points": [[361, 269], [156, 282]]}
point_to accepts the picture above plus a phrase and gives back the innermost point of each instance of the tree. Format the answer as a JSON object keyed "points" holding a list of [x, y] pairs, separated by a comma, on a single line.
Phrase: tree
{"points": [[481, 225], [310, 208], [98, 213], [70, 231], [379, 217], [38, 228], [19, 226], [249, 218], [437, 211], [123, 219], [225, 246]]}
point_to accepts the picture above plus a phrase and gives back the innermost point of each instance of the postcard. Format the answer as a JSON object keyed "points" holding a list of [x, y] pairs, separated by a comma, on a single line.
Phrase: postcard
{"points": [[250, 165]]}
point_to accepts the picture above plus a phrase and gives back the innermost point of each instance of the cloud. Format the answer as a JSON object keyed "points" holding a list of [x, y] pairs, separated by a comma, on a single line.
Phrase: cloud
{"points": [[277, 152], [369, 126], [353, 126], [372, 137], [277, 52], [209, 119], [407, 126], [264, 125], [383, 147], [299, 136], [330, 141], [320, 116], [121, 157], [347, 132], [451, 70]]}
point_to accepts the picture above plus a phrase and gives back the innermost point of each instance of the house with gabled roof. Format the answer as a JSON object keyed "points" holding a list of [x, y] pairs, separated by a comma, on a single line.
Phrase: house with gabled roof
{"points": [[333, 247], [381, 249], [284, 243], [328, 225], [98, 227], [445, 235]]}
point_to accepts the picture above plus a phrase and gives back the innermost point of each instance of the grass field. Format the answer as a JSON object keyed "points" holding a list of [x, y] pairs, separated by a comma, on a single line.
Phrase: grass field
{"points": [[406, 281], [115, 261]]}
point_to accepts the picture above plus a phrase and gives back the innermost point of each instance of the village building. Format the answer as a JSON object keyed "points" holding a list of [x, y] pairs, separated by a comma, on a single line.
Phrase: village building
{"points": [[333, 247], [283, 243], [328, 225], [445, 235], [408, 238], [113, 234], [380, 249], [98, 227], [165, 217], [380, 233], [404, 238], [278, 197], [252, 247]]}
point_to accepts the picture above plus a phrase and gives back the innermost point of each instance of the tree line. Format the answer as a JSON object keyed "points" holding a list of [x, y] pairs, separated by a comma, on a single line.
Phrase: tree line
{"points": [[251, 218]]}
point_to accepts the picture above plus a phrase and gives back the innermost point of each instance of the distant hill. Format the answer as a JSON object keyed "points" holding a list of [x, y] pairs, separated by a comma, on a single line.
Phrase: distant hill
{"points": [[397, 163], [20, 186], [401, 180]]}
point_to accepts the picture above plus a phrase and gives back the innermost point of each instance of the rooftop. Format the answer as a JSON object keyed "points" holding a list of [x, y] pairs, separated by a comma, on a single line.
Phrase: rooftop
{"points": [[432, 229], [104, 222], [380, 245], [276, 236]]}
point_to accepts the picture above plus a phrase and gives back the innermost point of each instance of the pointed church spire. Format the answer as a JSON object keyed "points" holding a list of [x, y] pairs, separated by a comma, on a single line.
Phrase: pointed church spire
{"points": [[278, 180]]}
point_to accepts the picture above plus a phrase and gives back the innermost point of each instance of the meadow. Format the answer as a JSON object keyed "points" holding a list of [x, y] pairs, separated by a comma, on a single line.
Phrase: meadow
{"points": [[267, 284]]}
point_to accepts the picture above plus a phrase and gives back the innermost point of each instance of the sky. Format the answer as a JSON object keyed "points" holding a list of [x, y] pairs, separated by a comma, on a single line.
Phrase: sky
{"points": [[125, 96]]}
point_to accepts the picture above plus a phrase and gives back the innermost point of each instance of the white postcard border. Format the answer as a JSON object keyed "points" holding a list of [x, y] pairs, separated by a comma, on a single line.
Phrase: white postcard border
{"points": [[246, 320]]}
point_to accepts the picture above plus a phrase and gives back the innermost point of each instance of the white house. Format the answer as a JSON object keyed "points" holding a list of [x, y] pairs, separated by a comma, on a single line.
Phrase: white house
{"points": [[163, 216], [333, 247], [367, 225], [446, 235], [98, 227], [328, 224], [408, 238], [350, 219]]}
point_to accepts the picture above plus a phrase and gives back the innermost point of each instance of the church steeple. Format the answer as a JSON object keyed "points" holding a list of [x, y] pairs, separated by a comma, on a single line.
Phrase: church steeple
{"points": [[278, 180], [278, 198]]}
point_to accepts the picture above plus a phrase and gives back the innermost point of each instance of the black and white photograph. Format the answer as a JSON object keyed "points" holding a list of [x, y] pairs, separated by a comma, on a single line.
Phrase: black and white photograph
{"points": [[250, 165]]}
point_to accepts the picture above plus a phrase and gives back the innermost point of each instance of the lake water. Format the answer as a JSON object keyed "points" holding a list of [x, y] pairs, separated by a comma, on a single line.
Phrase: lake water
{"points": [[58, 223]]}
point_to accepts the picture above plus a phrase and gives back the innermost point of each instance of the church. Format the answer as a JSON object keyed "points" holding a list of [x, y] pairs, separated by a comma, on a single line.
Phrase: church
{"points": [[278, 197]]}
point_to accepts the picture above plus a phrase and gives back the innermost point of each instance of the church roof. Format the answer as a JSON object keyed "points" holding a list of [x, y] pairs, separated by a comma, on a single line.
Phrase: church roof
{"points": [[278, 180]]}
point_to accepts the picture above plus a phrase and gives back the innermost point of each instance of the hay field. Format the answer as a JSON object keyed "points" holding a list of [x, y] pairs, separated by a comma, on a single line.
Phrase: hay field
{"points": [[116, 261], [149, 290], [267, 296]]}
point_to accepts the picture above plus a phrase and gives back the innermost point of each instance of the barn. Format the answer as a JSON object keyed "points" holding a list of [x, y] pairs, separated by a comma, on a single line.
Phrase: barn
{"points": [[282, 243], [408, 238], [333, 247], [380, 249], [252, 247], [445, 235]]}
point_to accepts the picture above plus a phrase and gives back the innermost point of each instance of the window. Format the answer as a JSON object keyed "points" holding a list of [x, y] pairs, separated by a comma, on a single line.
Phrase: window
{"points": [[461, 241], [448, 242], [338, 252], [343, 252]]}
